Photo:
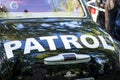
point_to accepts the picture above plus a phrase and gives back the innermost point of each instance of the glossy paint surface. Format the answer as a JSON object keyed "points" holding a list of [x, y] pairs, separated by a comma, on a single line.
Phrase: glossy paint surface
{"points": [[29, 66], [56, 48]]}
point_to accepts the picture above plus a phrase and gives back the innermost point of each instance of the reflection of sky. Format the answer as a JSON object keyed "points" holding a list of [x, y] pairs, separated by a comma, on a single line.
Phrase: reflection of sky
{"points": [[29, 5], [45, 8]]}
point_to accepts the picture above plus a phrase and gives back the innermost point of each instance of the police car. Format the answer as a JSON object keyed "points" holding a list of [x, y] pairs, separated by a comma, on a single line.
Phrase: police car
{"points": [[54, 40]]}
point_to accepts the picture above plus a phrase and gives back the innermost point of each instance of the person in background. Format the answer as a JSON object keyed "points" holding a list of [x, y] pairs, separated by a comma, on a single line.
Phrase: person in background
{"points": [[101, 15], [110, 16]]}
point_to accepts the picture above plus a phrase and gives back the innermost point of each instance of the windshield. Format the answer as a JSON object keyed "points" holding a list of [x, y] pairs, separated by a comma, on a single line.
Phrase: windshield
{"points": [[41, 8]]}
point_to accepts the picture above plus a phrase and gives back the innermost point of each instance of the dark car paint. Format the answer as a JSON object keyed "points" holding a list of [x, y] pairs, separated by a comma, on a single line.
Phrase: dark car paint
{"points": [[31, 66], [104, 63]]}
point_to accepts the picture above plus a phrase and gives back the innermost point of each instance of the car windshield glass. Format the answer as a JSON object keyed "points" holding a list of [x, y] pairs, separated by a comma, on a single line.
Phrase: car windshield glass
{"points": [[41, 8]]}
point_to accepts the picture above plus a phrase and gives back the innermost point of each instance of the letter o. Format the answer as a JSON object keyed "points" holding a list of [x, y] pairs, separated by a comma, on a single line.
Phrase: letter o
{"points": [[95, 44]]}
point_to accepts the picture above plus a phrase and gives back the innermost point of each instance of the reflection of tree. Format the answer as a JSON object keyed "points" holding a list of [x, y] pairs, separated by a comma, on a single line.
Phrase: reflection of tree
{"points": [[23, 30], [3, 11]]}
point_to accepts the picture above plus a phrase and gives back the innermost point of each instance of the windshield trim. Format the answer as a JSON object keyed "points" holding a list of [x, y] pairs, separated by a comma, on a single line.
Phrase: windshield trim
{"points": [[83, 8]]}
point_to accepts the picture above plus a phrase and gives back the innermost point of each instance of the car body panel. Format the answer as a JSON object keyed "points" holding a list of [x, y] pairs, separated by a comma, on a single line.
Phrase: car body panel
{"points": [[55, 48], [45, 39]]}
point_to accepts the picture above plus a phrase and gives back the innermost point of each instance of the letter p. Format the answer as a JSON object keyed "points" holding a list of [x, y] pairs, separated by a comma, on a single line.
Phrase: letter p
{"points": [[10, 46]]}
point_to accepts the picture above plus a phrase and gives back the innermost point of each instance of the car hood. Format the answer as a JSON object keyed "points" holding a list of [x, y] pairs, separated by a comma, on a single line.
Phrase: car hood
{"points": [[53, 37], [49, 48]]}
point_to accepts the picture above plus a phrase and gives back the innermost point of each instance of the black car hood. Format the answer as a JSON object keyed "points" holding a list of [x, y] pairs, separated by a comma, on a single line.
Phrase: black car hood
{"points": [[33, 37], [55, 49]]}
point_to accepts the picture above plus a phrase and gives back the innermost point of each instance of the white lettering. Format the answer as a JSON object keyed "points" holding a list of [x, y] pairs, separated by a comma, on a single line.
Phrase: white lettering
{"points": [[85, 42], [72, 39], [105, 45], [67, 40], [29, 46], [10, 46], [50, 41]]}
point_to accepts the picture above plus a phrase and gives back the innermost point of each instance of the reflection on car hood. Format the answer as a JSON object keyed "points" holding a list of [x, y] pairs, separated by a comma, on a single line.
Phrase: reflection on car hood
{"points": [[54, 49], [30, 37]]}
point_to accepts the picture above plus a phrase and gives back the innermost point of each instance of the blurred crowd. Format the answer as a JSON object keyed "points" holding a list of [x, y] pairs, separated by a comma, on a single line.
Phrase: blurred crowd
{"points": [[101, 16], [98, 7], [108, 16]]}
